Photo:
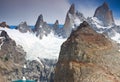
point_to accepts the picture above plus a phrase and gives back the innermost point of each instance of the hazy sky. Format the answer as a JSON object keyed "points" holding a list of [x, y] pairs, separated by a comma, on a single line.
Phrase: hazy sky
{"points": [[16, 11]]}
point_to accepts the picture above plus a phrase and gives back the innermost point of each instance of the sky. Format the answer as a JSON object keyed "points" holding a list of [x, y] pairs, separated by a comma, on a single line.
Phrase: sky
{"points": [[16, 11]]}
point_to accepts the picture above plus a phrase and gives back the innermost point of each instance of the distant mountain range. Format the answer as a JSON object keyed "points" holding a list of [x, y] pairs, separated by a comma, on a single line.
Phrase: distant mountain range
{"points": [[32, 26]]}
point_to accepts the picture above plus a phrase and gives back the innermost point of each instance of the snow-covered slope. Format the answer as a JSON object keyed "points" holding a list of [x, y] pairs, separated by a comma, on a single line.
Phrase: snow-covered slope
{"points": [[48, 47], [113, 31], [97, 24]]}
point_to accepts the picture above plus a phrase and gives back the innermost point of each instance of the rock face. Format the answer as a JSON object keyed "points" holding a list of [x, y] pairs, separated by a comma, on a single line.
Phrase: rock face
{"points": [[23, 27], [41, 28], [3, 24], [73, 19], [88, 56], [104, 14], [12, 58]]}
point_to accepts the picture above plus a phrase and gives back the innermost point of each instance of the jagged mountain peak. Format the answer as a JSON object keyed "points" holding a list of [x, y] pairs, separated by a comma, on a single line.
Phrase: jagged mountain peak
{"points": [[104, 14], [40, 18], [72, 9], [73, 19], [39, 22], [105, 5], [41, 27]]}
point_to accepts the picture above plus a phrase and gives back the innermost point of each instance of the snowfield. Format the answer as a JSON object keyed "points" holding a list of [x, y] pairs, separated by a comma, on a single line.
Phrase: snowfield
{"points": [[48, 47]]}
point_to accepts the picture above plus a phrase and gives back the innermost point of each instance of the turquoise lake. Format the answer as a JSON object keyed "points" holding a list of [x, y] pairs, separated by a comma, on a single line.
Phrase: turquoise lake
{"points": [[24, 81]]}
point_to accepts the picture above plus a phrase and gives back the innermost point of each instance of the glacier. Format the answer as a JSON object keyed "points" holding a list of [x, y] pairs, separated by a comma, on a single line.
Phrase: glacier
{"points": [[47, 48]]}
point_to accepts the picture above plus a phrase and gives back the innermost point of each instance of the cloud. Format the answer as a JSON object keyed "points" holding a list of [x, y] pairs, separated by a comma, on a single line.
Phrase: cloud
{"points": [[117, 21], [16, 11]]}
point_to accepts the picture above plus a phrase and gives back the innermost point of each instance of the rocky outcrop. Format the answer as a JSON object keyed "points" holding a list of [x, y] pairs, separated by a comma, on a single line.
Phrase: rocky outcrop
{"points": [[88, 56], [3, 24], [12, 58], [41, 28], [73, 19], [104, 14], [23, 27]]}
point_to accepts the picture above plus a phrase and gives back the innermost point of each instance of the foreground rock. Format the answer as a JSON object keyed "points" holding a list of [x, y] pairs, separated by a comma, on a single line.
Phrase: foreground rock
{"points": [[12, 59], [88, 56], [13, 65]]}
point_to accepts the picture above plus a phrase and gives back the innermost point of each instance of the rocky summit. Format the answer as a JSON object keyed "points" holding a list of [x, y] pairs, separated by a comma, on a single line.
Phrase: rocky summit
{"points": [[88, 56], [104, 14]]}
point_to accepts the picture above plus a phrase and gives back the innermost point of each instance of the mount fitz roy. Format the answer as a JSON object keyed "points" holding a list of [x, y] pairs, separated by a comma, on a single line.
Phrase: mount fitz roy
{"points": [[104, 14], [34, 52]]}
